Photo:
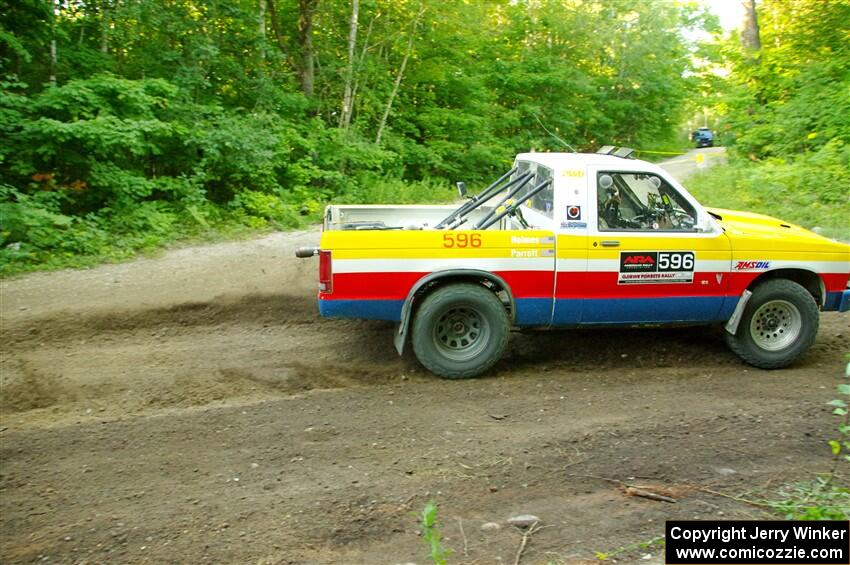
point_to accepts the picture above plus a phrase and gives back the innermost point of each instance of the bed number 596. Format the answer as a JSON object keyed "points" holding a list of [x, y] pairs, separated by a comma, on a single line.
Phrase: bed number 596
{"points": [[462, 240]]}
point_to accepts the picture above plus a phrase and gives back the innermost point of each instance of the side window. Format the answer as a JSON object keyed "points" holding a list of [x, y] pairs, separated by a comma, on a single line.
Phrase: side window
{"points": [[641, 202], [543, 201]]}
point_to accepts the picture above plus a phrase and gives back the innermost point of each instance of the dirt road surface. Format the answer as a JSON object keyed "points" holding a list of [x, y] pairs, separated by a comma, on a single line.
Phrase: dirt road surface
{"points": [[194, 408]]}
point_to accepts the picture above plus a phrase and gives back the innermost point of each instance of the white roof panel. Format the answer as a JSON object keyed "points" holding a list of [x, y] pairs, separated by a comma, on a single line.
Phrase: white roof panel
{"points": [[560, 161]]}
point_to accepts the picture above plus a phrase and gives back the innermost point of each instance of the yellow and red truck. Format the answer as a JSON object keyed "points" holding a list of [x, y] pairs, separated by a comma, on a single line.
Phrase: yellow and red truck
{"points": [[570, 240]]}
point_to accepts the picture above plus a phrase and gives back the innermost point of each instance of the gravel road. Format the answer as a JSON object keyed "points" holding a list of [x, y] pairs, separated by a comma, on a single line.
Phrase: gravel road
{"points": [[194, 408]]}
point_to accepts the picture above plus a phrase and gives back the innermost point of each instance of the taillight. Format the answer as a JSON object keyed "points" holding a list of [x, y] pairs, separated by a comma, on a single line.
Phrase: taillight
{"points": [[325, 272]]}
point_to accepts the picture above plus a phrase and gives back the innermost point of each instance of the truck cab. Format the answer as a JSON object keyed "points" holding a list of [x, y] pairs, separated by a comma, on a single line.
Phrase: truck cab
{"points": [[569, 239]]}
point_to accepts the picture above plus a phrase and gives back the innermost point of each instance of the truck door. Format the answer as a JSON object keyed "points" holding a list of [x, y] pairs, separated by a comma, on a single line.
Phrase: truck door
{"points": [[653, 254], [530, 262], [571, 249]]}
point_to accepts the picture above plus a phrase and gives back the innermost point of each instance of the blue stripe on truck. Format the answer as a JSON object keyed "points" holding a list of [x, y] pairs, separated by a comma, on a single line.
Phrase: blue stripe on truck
{"points": [[367, 309], [643, 310], [568, 312]]}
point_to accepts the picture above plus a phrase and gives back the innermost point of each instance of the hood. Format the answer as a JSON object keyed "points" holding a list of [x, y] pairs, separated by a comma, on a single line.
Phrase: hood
{"points": [[747, 230]]}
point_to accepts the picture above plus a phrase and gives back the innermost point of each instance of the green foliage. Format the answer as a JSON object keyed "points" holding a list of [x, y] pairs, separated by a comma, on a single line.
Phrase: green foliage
{"points": [[269, 207], [160, 121], [791, 96], [785, 115], [810, 190], [372, 188], [841, 407], [819, 499], [431, 534]]}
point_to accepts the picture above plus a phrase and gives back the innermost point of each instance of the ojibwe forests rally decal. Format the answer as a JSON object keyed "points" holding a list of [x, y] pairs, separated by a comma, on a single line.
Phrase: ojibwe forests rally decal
{"points": [[649, 267]]}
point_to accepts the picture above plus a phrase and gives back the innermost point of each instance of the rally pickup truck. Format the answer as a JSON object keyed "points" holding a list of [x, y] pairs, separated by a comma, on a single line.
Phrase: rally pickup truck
{"points": [[568, 240]]}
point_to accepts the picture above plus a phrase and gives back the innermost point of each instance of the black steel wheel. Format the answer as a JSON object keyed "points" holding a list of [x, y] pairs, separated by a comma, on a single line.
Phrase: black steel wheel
{"points": [[460, 331]]}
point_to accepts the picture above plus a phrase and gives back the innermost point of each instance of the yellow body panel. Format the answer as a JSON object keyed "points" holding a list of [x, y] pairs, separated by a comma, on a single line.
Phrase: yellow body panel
{"points": [[771, 238], [434, 244]]}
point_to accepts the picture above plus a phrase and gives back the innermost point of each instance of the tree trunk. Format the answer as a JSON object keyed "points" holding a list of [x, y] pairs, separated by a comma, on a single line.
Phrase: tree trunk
{"points": [[750, 30], [53, 60], [348, 95], [261, 19], [104, 28], [400, 74], [305, 40], [276, 26], [360, 62], [261, 27], [396, 84], [53, 54]]}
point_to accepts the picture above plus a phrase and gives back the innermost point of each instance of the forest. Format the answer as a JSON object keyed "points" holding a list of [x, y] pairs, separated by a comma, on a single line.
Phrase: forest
{"points": [[130, 124]]}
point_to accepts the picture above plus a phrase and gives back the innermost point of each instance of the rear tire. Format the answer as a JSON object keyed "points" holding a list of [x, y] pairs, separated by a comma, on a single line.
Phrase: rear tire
{"points": [[778, 326], [460, 331]]}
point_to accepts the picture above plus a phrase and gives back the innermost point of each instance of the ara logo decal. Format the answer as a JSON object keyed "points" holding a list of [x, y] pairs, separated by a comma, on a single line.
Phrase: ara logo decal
{"points": [[573, 212], [639, 260], [752, 265]]}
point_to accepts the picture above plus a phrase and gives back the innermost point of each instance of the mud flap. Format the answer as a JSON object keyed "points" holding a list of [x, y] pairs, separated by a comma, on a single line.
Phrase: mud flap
{"points": [[400, 335], [732, 325]]}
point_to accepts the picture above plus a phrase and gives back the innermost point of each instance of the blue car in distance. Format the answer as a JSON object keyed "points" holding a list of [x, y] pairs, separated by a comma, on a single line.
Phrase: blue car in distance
{"points": [[703, 137]]}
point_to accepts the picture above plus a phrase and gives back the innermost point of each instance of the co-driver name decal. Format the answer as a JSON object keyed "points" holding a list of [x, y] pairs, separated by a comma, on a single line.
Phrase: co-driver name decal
{"points": [[649, 267]]}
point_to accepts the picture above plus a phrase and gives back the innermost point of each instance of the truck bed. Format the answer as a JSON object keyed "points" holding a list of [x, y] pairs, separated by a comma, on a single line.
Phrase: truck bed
{"points": [[394, 217]]}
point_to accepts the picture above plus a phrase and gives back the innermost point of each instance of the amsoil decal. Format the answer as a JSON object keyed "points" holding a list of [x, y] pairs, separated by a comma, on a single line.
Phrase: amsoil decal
{"points": [[649, 267], [751, 265]]}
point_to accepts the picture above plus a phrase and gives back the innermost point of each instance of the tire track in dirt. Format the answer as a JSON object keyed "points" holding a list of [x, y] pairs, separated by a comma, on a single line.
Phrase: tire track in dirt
{"points": [[253, 309], [109, 363]]}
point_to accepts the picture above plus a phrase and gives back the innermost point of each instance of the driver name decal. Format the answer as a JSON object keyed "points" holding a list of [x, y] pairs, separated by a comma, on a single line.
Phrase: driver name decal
{"points": [[651, 267]]}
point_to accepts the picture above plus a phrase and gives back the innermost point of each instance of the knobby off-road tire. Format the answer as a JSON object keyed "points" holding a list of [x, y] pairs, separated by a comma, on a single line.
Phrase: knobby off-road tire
{"points": [[460, 331], [779, 325]]}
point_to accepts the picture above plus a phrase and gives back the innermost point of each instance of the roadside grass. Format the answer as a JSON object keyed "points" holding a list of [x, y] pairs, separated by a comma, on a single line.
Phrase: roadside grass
{"points": [[818, 499], [811, 190]]}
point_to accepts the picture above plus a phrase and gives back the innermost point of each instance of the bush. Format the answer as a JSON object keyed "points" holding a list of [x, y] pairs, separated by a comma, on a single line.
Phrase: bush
{"points": [[810, 190], [268, 207]]}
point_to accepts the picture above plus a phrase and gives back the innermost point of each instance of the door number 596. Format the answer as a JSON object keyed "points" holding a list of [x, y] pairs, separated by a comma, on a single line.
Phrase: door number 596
{"points": [[461, 240], [676, 261]]}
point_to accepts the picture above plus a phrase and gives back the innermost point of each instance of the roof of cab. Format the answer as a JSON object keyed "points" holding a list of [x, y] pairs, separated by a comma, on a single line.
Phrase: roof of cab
{"points": [[560, 161]]}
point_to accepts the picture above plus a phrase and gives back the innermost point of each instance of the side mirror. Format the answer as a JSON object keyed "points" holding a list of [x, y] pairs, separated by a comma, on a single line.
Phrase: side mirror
{"points": [[461, 189]]}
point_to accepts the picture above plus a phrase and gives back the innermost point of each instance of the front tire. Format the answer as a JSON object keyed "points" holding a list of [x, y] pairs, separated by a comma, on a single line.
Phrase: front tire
{"points": [[460, 331], [778, 326]]}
